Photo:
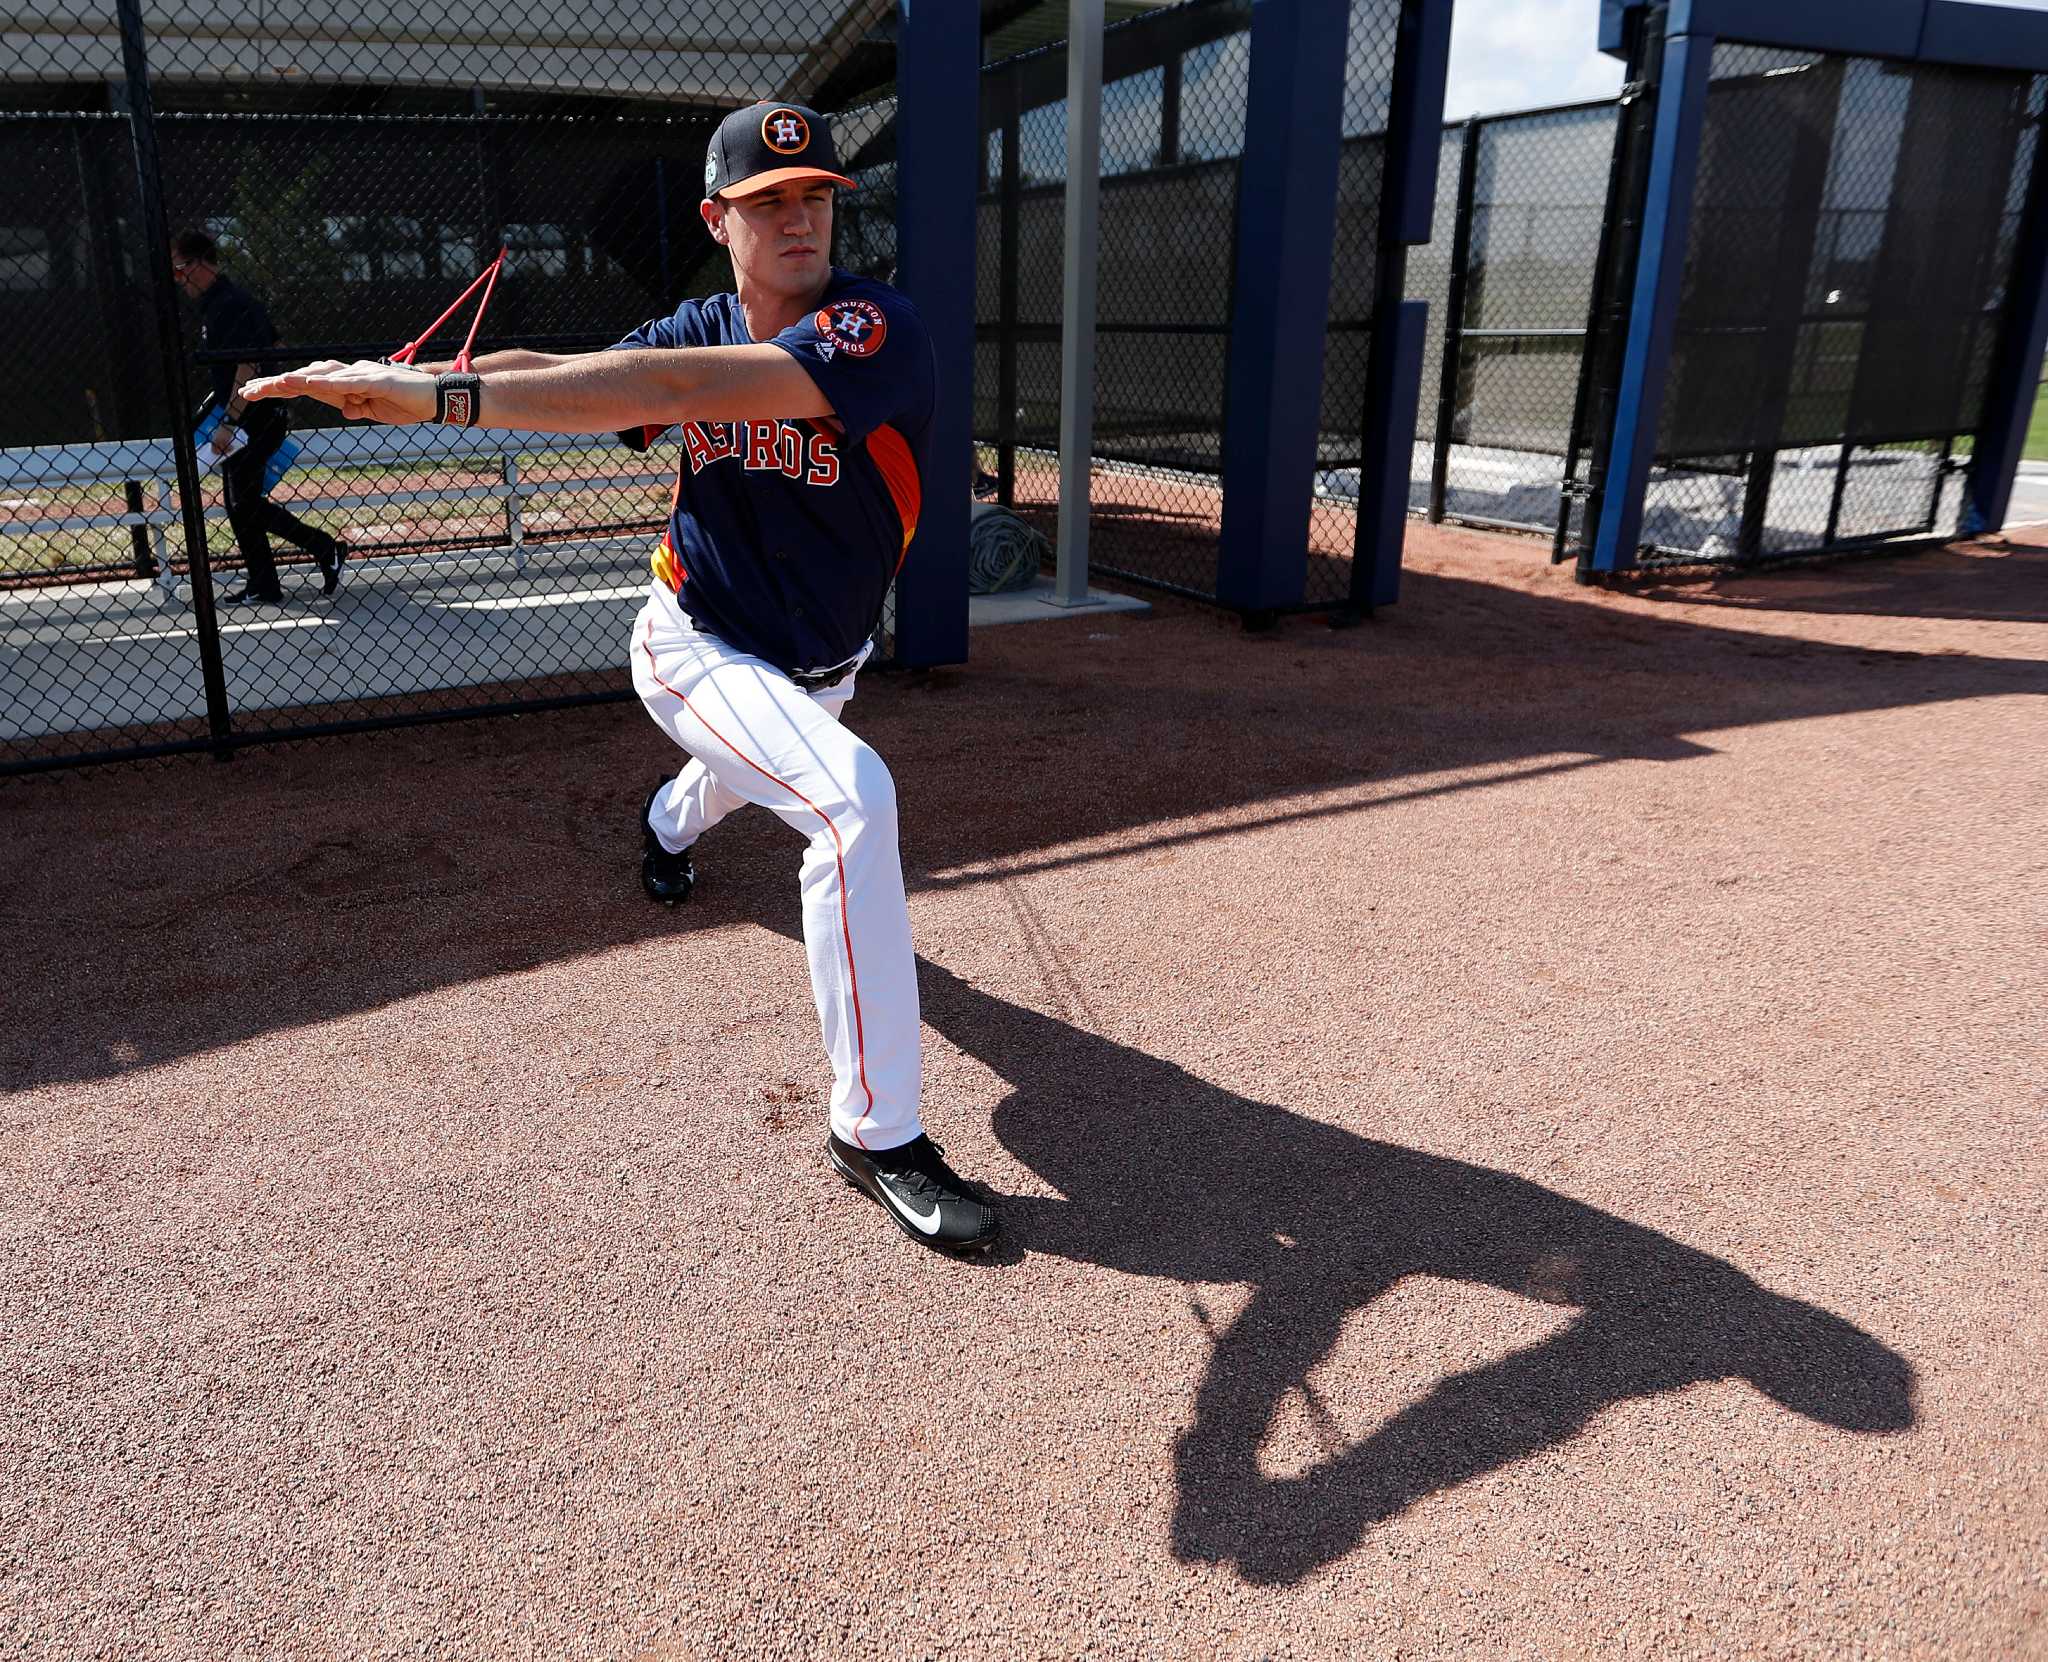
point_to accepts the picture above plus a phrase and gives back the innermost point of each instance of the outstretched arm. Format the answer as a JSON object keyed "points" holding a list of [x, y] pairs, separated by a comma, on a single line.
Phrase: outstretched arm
{"points": [[513, 357], [599, 392]]}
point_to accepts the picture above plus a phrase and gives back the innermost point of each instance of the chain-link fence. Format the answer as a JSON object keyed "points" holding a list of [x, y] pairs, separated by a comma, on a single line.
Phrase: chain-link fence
{"points": [[356, 174], [1175, 90], [1521, 202], [1848, 262], [1173, 109]]}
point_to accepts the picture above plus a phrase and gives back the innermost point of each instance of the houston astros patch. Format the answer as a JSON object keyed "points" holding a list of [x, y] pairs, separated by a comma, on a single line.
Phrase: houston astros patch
{"points": [[855, 327]]}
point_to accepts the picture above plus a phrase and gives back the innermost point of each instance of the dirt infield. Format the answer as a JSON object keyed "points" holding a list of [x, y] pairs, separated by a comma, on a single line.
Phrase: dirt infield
{"points": [[1521, 1128]]}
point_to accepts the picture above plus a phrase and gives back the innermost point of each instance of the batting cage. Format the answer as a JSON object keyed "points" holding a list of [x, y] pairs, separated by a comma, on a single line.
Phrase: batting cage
{"points": [[1173, 126], [1818, 321], [357, 180], [1206, 108]]}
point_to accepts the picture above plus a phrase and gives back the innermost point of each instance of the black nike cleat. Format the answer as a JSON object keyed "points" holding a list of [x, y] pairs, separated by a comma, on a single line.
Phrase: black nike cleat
{"points": [[916, 1187], [330, 561], [667, 878]]}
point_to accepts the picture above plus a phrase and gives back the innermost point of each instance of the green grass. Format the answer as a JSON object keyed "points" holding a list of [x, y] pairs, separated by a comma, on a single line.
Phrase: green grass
{"points": [[2036, 447], [59, 552]]}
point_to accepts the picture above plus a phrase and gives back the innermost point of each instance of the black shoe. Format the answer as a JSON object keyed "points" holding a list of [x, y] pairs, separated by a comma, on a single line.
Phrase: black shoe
{"points": [[329, 562], [667, 878], [246, 596], [916, 1187]]}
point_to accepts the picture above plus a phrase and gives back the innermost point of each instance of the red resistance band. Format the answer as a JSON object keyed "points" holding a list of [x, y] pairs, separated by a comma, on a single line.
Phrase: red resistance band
{"points": [[488, 280]]}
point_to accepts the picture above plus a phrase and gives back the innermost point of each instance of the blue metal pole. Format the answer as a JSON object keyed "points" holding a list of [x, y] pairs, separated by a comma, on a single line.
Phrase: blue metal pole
{"points": [[1394, 384], [938, 114], [1393, 387], [1653, 313], [1415, 121], [2016, 366], [1286, 231]]}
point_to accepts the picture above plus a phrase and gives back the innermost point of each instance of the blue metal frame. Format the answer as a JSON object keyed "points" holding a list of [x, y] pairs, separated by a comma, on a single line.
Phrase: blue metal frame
{"points": [[1926, 31], [2016, 366], [1285, 239], [1992, 37], [1415, 120], [1286, 235], [1393, 388], [1653, 309], [938, 115], [1394, 382]]}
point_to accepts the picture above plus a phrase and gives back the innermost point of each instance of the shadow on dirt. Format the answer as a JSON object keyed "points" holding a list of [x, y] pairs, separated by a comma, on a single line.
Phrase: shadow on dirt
{"points": [[1934, 583], [170, 910], [1321, 1222]]}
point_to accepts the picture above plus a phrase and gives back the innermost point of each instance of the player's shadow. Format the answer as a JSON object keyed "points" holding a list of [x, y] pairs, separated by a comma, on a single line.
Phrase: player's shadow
{"points": [[1936, 582], [1164, 1174]]}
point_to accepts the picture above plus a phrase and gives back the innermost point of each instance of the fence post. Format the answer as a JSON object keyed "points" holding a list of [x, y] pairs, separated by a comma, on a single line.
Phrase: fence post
{"points": [[938, 114], [1454, 321], [98, 218], [1606, 310], [138, 533], [1688, 61], [1077, 288], [170, 341], [1010, 184], [1273, 379], [515, 519]]}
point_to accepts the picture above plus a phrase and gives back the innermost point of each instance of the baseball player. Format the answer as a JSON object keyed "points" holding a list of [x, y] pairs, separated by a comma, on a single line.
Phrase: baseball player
{"points": [[804, 399]]}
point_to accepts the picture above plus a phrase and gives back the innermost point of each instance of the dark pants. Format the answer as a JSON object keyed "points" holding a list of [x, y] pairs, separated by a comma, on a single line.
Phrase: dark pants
{"points": [[254, 516]]}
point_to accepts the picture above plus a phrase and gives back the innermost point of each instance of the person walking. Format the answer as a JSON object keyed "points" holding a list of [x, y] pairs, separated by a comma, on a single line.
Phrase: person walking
{"points": [[232, 319]]}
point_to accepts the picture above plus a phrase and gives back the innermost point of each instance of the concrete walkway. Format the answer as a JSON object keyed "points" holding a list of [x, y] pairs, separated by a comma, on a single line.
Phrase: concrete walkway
{"points": [[79, 658]]}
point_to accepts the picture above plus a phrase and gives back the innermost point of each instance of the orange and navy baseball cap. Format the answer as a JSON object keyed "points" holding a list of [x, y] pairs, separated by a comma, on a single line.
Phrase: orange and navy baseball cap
{"points": [[767, 144]]}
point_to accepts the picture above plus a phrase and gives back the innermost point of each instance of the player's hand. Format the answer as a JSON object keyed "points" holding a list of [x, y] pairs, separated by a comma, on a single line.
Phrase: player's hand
{"points": [[223, 438], [362, 391]]}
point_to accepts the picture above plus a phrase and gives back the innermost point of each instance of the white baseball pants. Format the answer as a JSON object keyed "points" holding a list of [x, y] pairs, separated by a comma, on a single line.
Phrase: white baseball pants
{"points": [[754, 736]]}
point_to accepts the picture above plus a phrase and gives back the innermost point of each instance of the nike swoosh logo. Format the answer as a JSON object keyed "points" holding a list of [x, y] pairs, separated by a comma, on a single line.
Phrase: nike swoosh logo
{"points": [[928, 1222]]}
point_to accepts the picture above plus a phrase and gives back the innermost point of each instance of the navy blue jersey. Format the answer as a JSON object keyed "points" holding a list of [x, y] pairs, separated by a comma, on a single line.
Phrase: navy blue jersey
{"points": [[785, 535]]}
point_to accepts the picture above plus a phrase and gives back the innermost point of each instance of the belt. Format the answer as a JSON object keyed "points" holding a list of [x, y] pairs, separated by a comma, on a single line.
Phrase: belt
{"points": [[816, 680]]}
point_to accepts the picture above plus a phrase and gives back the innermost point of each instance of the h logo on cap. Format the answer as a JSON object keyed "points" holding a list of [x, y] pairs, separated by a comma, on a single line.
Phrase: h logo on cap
{"points": [[784, 131]]}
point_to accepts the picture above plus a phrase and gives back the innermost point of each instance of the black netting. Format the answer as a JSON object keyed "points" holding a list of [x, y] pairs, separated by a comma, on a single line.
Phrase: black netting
{"points": [[72, 283], [1847, 264], [357, 172]]}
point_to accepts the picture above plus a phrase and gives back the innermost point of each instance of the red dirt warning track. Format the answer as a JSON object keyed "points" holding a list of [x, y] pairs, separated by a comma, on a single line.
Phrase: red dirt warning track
{"points": [[1521, 1127]]}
